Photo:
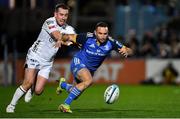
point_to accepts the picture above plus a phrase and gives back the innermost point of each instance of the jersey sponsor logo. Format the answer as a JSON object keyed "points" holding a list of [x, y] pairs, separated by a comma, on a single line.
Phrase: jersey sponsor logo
{"points": [[49, 22], [51, 27], [36, 46], [64, 27], [95, 53], [32, 64], [76, 61]]}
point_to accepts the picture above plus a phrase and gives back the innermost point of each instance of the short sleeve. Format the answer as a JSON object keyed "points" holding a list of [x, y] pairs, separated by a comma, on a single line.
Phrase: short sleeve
{"points": [[116, 44]]}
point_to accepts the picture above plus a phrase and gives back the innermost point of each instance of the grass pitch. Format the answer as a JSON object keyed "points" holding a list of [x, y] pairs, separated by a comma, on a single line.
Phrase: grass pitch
{"points": [[134, 101]]}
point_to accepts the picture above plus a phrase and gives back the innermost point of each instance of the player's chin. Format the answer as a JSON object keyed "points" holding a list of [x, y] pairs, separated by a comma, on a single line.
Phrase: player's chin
{"points": [[102, 41], [62, 23]]}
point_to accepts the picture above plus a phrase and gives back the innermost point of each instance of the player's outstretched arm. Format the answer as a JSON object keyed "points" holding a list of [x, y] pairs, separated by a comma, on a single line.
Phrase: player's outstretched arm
{"points": [[69, 37], [63, 39], [57, 36], [125, 51]]}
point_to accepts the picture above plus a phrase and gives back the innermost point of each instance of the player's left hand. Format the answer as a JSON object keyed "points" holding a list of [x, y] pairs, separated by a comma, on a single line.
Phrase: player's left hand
{"points": [[123, 51]]}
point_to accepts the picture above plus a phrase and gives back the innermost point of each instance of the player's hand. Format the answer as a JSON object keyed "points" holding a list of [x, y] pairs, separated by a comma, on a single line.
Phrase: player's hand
{"points": [[58, 44], [123, 51]]}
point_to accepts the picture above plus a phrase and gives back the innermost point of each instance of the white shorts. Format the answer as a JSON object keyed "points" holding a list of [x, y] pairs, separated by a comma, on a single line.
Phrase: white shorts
{"points": [[43, 66]]}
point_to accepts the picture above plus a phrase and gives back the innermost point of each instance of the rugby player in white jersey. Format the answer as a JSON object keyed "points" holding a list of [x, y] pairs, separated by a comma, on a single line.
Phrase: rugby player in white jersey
{"points": [[41, 54]]}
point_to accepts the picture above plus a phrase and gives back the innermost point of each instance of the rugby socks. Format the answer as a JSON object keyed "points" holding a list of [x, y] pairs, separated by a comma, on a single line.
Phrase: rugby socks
{"points": [[66, 86], [75, 92], [17, 95]]}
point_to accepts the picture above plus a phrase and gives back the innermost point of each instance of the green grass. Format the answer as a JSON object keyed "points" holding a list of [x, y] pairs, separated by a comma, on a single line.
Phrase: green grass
{"points": [[134, 101]]}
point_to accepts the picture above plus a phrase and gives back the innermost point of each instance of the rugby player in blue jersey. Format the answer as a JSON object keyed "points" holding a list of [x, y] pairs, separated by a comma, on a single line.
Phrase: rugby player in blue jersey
{"points": [[95, 47]]}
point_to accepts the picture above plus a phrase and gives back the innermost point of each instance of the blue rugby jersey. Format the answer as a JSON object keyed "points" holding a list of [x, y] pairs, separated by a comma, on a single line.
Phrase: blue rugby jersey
{"points": [[92, 54]]}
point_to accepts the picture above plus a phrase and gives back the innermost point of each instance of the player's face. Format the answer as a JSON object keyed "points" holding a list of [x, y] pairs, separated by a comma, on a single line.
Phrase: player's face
{"points": [[101, 34], [61, 16]]}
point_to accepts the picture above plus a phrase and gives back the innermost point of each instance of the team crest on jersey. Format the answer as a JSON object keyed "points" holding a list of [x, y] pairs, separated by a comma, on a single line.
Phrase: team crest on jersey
{"points": [[51, 40]]}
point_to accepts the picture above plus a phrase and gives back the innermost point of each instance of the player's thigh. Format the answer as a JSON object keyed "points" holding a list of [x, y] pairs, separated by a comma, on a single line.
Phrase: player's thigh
{"points": [[40, 84], [29, 77], [43, 76], [31, 70], [79, 70], [85, 78], [84, 75]]}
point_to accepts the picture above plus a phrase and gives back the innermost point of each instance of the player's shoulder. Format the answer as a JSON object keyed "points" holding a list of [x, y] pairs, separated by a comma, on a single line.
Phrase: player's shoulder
{"points": [[69, 27], [50, 20], [86, 35], [111, 39], [89, 34]]}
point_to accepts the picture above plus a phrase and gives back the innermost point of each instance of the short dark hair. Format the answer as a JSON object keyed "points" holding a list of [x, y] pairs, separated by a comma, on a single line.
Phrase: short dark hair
{"points": [[101, 24], [61, 5]]}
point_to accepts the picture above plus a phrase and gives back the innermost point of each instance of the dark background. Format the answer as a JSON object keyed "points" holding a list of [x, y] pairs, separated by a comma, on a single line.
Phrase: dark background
{"points": [[150, 27]]}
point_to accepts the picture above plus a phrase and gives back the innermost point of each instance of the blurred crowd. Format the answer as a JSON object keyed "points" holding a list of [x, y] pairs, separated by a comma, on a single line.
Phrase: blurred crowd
{"points": [[163, 42], [20, 26]]}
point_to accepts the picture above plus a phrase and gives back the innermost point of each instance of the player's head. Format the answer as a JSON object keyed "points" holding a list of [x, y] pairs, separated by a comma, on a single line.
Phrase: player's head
{"points": [[61, 13], [101, 31]]}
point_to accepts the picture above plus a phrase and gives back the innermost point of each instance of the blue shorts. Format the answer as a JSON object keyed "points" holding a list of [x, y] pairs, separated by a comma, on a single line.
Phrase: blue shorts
{"points": [[77, 65]]}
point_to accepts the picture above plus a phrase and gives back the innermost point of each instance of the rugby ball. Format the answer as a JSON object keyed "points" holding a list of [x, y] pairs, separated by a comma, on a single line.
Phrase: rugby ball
{"points": [[111, 94]]}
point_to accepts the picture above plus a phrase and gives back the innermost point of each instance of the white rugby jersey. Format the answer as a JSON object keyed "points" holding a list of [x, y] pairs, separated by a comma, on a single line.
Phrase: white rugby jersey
{"points": [[43, 48]]}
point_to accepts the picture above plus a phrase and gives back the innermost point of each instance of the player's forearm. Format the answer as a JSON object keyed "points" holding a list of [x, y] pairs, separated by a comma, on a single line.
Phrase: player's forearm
{"points": [[69, 37], [57, 36]]}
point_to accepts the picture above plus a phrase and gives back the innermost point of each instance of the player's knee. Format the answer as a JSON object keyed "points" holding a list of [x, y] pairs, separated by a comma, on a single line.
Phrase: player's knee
{"points": [[89, 82], [38, 91], [27, 84]]}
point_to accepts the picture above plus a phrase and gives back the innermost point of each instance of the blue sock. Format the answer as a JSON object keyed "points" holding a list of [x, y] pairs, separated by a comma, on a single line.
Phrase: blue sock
{"points": [[75, 92], [66, 86]]}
